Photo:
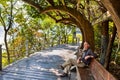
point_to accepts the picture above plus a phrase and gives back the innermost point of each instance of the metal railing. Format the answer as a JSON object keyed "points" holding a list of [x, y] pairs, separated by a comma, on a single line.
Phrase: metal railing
{"points": [[15, 56]]}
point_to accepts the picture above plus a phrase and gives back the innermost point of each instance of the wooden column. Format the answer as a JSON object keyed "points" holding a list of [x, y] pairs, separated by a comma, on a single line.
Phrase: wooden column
{"points": [[0, 57]]}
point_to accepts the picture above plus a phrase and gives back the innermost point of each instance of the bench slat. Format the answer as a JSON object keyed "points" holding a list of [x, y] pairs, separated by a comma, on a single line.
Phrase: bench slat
{"points": [[84, 74], [95, 70], [99, 72]]}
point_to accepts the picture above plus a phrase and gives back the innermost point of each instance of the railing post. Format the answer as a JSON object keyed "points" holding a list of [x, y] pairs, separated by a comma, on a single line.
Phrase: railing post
{"points": [[0, 57], [26, 48]]}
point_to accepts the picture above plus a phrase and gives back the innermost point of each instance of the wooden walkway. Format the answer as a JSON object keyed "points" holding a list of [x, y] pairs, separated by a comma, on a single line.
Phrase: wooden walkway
{"points": [[42, 65]]}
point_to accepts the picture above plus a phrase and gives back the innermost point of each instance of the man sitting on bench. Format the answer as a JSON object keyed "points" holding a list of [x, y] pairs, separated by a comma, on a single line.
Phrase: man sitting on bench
{"points": [[82, 61]]}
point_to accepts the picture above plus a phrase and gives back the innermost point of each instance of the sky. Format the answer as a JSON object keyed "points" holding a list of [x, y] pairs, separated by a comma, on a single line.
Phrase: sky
{"points": [[1, 35]]}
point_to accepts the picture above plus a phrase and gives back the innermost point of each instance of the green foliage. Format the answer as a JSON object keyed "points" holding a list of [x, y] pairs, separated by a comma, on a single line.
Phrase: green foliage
{"points": [[32, 11], [97, 34], [4, 59], [41, 30], [4, 2], [47, 22], [111, 24]]}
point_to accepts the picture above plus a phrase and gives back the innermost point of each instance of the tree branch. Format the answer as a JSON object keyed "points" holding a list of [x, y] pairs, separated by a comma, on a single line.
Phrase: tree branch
{"points": [[63, 2], [11, 17], [51, 2], [51, 16], [70, 11], [101, 18], [33, 4], [75, 14], [67, 20], [113, 6], [2, 22]]}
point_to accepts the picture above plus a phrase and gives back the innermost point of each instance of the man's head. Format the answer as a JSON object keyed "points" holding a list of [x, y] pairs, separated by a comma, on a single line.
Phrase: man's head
{"points": [[86, 45]]}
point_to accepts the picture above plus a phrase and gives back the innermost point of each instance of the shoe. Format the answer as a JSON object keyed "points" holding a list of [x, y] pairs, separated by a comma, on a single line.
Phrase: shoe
{"points": [[64, 75], [73, 69], [62, 67]]}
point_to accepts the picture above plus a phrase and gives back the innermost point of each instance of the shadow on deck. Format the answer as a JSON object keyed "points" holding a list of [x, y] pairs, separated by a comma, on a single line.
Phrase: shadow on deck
{"points": [[43, 65]]}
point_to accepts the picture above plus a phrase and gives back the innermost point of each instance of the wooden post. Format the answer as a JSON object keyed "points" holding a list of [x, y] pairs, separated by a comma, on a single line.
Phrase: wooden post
{"points": [[26, 48], [0, 57]]}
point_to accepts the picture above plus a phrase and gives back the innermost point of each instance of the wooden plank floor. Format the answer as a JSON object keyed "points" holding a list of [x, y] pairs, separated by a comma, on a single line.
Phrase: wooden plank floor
{"points": [[43, 65]]}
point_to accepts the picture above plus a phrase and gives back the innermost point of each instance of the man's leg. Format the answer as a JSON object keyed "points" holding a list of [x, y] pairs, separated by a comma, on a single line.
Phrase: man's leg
{"points": [[67, 69], [68, 62], [67, 65], [81, 64]]}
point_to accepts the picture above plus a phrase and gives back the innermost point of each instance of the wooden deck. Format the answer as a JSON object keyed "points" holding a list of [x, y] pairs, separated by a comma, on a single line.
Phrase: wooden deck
{"points": [[43, 65]]}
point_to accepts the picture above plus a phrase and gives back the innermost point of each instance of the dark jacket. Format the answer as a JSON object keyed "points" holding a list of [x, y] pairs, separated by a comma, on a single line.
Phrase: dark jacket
{"points": [[86, 53]]}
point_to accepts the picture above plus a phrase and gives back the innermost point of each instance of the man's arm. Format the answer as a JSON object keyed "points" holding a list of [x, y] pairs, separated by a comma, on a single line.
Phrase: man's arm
{"points": [[78, 60], [78, 52], [89, 55]]}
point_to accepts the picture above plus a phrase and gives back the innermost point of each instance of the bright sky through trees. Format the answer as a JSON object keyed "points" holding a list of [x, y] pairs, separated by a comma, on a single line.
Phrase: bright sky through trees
{"points": [[1, 35]]}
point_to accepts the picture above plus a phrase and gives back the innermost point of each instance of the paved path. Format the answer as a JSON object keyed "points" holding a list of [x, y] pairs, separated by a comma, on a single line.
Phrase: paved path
{"points": [[43, 65]]}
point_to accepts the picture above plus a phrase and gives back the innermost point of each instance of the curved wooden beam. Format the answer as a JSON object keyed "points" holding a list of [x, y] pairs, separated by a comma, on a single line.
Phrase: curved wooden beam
{"points": [[83, 22], [72, 12], [70, 20]]}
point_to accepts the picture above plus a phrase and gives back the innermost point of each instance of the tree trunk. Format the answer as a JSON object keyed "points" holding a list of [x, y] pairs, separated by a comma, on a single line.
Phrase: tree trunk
{"points": [[104, 41], [7, 49], [65, 36], [52, 43], [59, 40], [109, 49], [0, 57], [81, 45], [45, 40], [74, 36], [113, 6]]}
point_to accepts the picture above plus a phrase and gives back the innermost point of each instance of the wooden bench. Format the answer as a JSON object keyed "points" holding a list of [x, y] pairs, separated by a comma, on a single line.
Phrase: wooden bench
{"points": [[95, 71]]}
